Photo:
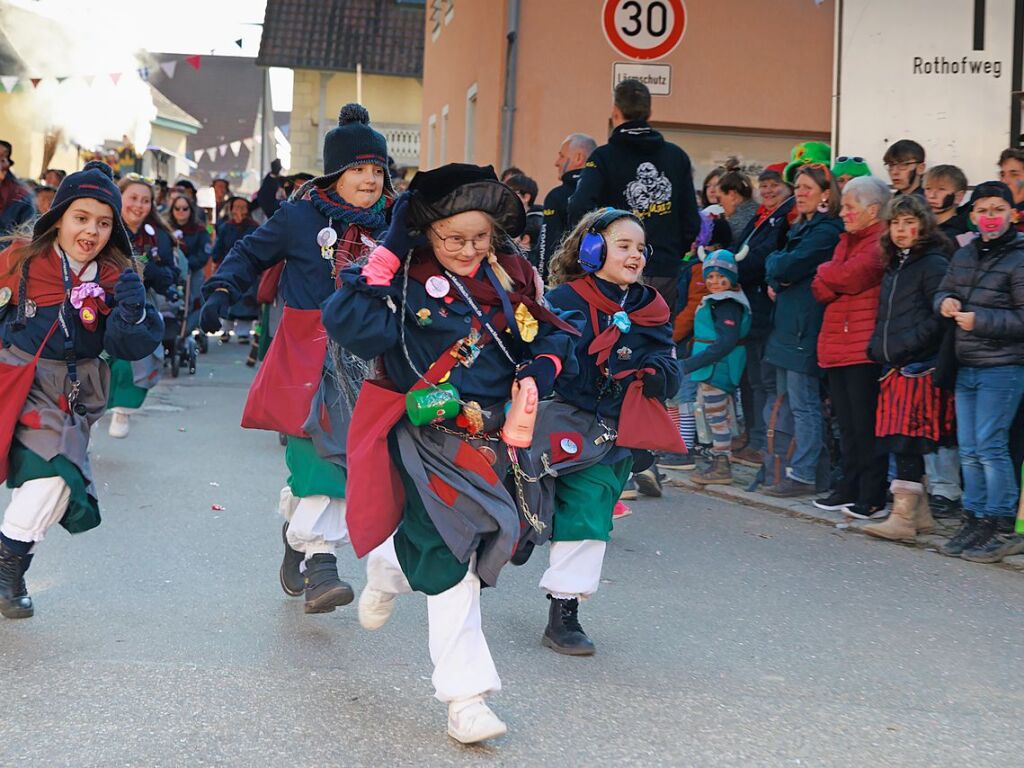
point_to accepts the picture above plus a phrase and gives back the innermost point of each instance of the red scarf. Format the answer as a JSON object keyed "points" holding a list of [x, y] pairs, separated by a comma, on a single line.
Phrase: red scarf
{"points": [[45, 285], [652, 314], [524, 291]]}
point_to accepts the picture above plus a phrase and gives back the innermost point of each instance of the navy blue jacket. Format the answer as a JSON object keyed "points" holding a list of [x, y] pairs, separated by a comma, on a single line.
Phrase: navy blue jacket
{"points": [[229, 233], [197, 248], [762, 240], [160, 272], [640, 347], [360, 318], [796, 322], [289, 235], [112, 334]]}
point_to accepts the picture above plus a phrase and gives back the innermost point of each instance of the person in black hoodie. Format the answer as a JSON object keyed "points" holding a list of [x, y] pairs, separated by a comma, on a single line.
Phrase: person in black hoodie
{"points": [[944, 189], [572, 156], [638, 171]]}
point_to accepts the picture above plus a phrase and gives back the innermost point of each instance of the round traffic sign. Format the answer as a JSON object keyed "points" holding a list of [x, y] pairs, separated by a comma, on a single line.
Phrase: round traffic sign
{"points": [[644, 29]]}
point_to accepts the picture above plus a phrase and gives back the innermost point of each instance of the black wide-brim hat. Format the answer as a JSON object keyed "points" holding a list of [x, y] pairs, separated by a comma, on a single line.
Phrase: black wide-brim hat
{"points": [[460, 187], [231, 199], [95, 180]]}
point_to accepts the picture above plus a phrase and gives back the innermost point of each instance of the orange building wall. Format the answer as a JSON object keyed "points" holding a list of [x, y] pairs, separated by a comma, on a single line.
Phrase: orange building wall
{"points": [[751, 66]]}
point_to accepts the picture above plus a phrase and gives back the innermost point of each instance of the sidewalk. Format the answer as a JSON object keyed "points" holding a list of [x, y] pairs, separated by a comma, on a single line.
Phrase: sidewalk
{"points": [[804, 508]]}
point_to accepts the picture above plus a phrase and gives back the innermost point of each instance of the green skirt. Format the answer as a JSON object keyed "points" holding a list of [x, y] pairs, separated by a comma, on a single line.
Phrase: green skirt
{"points": [[83, 512], [123, 391], [585, 500], [310, 475]]}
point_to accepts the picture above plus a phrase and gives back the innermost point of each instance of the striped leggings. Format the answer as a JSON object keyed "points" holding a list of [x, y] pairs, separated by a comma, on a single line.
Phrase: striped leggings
{"points": [[716, 412]]}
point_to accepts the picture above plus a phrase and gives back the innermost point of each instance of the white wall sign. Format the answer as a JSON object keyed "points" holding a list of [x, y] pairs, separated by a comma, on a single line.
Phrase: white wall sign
{"points": [[947, 83], [657, 77]]}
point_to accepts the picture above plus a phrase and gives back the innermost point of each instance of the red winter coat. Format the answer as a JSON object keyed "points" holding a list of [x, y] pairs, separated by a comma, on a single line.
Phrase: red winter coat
{"points": [[849, 287]]}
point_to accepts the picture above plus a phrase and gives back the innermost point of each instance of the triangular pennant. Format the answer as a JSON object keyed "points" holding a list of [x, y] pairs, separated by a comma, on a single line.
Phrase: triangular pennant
{"points": [[144, 74], [168, 67], [194, 61], [198, 154], [9, 82], [248, 143], [236, 146], [88, 79], [223, 149], [238, 42], [36, 81], [62, 79], [115, 76]]}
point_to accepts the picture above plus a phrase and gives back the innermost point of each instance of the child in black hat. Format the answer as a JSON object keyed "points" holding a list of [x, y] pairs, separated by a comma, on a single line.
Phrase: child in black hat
{"points": [[71, 294], [305, 386]]}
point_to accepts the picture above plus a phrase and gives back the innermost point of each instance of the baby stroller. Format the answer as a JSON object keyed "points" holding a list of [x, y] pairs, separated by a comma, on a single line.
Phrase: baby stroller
{"points": [[180, 348]]}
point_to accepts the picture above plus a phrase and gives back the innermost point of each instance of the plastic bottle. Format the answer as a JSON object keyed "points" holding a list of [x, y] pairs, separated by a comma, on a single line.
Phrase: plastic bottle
{"points": [[522, 415]]}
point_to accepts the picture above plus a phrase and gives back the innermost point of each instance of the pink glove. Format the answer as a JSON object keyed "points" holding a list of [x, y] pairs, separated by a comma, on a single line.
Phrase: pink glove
{"points": [[381, 266]]}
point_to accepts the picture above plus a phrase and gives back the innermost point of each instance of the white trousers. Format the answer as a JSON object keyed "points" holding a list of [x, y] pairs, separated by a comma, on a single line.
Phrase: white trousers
{"points": [[35, 507], [463, 666], [316, 524], [574, 568]]}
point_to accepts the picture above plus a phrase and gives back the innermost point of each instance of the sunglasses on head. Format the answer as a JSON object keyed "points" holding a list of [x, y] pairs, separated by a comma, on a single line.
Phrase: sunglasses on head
{"points": [[139, 177], [848, 158]]}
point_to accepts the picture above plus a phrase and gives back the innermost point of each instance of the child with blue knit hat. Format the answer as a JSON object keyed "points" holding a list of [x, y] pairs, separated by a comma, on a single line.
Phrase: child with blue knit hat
{"points": [[717, 359]]}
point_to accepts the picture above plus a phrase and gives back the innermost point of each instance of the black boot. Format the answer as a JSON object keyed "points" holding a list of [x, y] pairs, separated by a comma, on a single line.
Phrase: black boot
{"points": [[14, 600], [291, 578], [563, 633], [324, 590], [999, 543], [965, 537]]}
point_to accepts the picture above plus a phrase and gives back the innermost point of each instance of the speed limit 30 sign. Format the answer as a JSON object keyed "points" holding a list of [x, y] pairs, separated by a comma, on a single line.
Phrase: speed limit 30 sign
{"points": [[644, 29]]}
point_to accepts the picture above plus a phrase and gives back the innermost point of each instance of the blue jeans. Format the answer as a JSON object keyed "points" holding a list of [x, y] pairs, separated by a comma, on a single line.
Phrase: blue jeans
{"points": [[943, 471], [804, 401], [986, 401]]}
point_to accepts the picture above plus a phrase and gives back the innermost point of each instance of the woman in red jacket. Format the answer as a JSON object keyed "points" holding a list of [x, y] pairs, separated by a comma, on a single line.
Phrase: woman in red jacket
{"points": [[849, 286]]}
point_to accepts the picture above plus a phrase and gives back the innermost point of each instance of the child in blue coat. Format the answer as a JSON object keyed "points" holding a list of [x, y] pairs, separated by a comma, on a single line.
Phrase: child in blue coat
{"points": [[69, 295], [717, 359]]}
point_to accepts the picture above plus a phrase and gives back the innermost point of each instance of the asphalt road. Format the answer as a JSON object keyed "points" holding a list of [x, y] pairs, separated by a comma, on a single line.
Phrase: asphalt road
{"points": [[726, 636]]}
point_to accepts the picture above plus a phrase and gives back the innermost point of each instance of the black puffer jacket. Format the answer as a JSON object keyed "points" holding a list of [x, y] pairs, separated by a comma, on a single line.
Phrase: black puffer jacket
{"points": [[762, 239], [908, 330], [988, 279]]}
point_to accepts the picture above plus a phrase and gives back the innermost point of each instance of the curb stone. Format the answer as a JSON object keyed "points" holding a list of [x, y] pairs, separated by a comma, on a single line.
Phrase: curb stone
{"points": [[803, 508]]}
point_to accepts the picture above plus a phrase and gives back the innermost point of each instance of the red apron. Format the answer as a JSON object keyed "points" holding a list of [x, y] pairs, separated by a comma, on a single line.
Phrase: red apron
{"points": [[282, 392]]}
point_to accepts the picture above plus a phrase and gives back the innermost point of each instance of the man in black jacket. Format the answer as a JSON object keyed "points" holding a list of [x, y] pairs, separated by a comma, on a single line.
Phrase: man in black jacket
{"points": [[572, 156], [637, 170]]}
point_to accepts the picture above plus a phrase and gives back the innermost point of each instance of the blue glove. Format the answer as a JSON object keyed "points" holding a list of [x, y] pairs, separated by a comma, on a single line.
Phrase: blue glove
{"points": [[398, 239], [654, 385], [213, 310], [130, 295], [542, 370]]}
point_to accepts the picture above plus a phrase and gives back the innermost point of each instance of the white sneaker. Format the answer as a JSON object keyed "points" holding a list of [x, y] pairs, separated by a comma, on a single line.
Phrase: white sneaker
{"points": [[119, 423], [471, 720], [375, 607]]}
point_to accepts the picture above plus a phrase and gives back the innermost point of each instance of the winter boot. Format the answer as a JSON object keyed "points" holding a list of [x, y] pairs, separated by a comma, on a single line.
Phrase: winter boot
{"points": [[923, 520], [14, 600], [563, 633], [1002, 542], [966, 536], [324, 590], [719, 472], [292, 581], [901, 523]]}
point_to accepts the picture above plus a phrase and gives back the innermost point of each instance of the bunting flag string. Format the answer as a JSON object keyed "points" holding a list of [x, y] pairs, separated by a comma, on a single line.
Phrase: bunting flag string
{"points": [[169, 68]]}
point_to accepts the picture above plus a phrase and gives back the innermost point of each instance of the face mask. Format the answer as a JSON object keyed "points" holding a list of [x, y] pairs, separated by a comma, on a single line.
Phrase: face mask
{"points": [[990, 224]]}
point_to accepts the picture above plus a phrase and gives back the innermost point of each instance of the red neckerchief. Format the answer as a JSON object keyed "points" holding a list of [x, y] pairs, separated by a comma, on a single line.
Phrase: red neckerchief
{"points": [[45, 285], [652, 314], [524, 291]]}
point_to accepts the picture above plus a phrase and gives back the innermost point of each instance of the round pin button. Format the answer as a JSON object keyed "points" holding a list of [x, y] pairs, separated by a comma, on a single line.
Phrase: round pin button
{"points": [[326, 237], [438, 287], [5, 296], [569, 446]]}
